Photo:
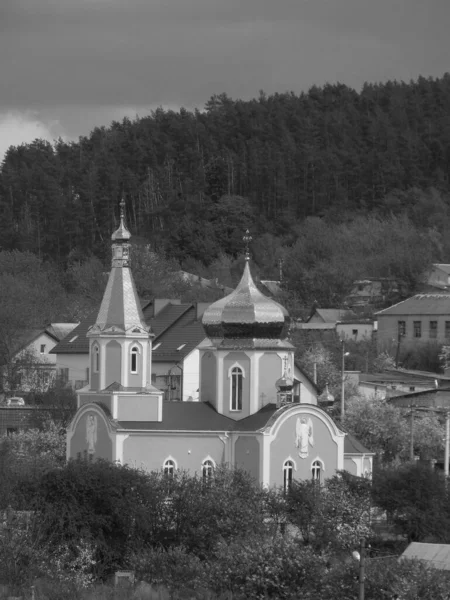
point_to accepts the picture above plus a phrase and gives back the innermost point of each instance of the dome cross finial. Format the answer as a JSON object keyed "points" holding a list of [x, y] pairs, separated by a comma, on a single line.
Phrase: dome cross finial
{"points": [[247, 239], [122, 211]]}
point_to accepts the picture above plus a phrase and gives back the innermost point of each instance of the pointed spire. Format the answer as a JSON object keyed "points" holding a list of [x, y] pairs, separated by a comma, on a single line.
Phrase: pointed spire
{"points": [[247, 239]]}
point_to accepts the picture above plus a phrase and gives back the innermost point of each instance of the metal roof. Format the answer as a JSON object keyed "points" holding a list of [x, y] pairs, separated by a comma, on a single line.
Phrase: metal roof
{"points": [[437, 555], [420, 304]]}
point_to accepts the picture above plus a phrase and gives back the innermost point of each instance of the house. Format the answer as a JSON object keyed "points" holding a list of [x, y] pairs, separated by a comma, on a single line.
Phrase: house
{"points": [[395, 383], [33, 366], [439, 275], [373, 291], [247, 414], [345, 323], [420, 319]]}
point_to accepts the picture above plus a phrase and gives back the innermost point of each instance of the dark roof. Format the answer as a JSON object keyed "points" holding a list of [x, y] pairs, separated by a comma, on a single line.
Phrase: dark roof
{"points": [[436, 555], [185, 416], [189, 331], [202, 416], [166, 317], [76, 342], [353, 446], [420, 304], [257, 421], [178, 339], [443, 266]]}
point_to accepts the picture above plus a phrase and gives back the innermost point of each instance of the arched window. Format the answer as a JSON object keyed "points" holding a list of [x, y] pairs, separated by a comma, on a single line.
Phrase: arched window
{"points": [[96, 351], [134, 359], [288, 471], [169, 468], [237, 377], [316, 470], [207, 471]]}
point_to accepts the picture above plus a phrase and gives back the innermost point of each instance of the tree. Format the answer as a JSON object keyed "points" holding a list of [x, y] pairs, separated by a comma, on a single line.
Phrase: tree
{"points": [[416, 499]]}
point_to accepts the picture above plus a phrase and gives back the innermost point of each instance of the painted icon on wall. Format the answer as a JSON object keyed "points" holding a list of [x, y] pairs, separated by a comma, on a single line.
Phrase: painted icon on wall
{"points": [[91, 433], [304, 436]]}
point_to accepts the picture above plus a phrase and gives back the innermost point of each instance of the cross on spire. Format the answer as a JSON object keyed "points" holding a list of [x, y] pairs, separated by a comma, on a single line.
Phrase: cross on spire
{"points": [[247, 239]]}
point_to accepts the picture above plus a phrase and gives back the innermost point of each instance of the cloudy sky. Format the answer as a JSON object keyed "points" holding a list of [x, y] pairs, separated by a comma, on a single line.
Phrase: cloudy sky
{"points": [[69, 65]]}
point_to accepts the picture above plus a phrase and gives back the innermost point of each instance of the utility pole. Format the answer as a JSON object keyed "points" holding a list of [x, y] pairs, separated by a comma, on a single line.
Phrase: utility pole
{"points": [[362, 566], [343, 380], [411, 435], [447, 442]]}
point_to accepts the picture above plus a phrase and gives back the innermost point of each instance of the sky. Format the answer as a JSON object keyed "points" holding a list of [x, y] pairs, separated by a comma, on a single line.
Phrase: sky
{"points": [[67, 66]]}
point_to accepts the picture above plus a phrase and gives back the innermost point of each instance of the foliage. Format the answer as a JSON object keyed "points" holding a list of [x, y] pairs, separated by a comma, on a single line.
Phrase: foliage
{"points": [[383, 362], [332, 517], [385, 429], [24, 457], [416, 499], [424, 357]]}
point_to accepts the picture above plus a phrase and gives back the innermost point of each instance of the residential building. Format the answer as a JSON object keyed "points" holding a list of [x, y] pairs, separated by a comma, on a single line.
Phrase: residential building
{"points": [[345, 323], [32, 366], [420, 319], [247, 414], [373, 292], [439, 275]]}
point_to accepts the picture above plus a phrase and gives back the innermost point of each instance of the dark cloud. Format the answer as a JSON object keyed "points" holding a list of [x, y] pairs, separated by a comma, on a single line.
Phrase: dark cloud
{"points": [[128, 53]]}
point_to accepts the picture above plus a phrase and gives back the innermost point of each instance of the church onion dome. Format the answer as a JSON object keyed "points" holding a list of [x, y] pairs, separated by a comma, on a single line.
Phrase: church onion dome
{"points": [[326, 397], [285, 383], [246, 313]]}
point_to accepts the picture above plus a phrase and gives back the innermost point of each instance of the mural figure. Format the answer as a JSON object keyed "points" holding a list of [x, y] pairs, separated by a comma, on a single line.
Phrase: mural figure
{"points": [[304, 436], [91, 433]]}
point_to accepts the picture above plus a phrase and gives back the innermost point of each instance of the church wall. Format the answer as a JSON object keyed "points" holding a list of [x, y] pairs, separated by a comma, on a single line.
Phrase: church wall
{"points": [[208, 391], [247, 455], [113, 363], [308, 394], [270, 369], [350, 466], [284, 447], [102, 445], [243, 361], [104, 399], [138, 408], [149, 451], [367, 469]]}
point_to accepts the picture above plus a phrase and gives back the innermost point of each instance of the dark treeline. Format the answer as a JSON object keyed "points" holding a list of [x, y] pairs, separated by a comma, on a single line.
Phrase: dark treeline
{"points": [[193, 181]]}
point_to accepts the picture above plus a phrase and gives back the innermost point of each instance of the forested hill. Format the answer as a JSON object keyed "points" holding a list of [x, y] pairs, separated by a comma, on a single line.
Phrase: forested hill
{"points": [[190, 177]]}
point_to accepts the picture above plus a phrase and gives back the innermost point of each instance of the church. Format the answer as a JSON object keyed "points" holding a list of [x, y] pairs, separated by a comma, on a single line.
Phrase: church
{"points": [[255, 411]]}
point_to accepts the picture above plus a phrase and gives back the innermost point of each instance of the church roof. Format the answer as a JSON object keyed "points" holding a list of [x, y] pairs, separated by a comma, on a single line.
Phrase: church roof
{"points": [[184, 416], [120, 306], [246, 314], [202, 416]]}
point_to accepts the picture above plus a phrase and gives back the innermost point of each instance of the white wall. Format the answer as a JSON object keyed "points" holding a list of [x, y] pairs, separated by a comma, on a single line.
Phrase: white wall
{"points": [[35, 347], [308, 394], [77, 365], [345, 330], [191, 375]]}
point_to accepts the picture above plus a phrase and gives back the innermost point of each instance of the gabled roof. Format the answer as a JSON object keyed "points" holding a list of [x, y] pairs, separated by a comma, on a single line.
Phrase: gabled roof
{"points": [[354, 446], [60, 330], [332, 315], [443, 267], [174, 326], [28, 336], [420, 304], [76, 342], [180, 337]]}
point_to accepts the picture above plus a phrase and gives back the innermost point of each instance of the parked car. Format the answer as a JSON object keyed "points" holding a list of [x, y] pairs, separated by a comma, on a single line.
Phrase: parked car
{"points": [[15, 401]]}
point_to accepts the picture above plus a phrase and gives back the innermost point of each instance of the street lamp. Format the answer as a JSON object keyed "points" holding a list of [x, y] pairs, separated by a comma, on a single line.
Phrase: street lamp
{"points": [[344, 354]]}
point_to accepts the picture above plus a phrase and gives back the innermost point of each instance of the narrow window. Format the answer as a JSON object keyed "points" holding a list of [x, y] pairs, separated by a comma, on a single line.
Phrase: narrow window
{"points": [[288, 469], [316, 471], [433, 329], [417, 329], [355, 333], [236, 388], [401, 328], [96, 358], [134, 359], [447, 330], [169, 468], [207, 471], [42, 348]]}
